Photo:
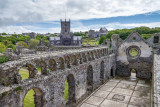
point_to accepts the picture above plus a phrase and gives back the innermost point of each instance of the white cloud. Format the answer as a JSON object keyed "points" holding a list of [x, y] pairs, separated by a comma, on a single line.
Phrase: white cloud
{"points": [[112, 26], [77, 26], [13, 12], [18, 11], [14, 29]]}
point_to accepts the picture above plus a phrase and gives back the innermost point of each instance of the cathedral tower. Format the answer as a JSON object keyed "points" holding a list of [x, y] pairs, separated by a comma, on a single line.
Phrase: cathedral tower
{"points": [[65, 27]]}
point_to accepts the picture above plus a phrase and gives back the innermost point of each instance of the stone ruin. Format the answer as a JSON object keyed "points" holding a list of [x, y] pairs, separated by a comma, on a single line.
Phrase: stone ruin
{"points": [[85, 70]]}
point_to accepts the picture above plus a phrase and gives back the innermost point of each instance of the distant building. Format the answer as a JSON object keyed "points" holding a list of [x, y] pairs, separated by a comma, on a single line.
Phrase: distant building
{"points": [[66, 38], [32, 35], [96, 34]]}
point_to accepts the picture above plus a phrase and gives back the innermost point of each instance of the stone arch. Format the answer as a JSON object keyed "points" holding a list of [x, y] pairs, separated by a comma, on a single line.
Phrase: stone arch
{"points": [[89, 56], [52, 65], [101, 51], [156, 39], [22, 73], [99, 54], [61, 63], [92, 55], [32, 70], [71, 102], [43, 66], [84, 57], [74, 60], [38, 97], [89, 79], [79, 58], [67, 61], [95, 54], [133, 72], [102, 72], [105, 51], [112, 72]]}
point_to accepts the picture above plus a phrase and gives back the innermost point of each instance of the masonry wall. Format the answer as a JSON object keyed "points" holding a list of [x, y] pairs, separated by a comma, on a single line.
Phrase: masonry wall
{"points": [[142, 63], [155, 99], [49, 86]]}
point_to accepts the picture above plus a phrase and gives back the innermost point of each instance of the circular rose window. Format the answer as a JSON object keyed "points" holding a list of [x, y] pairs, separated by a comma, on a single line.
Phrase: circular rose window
{"points": [[133, 51]]}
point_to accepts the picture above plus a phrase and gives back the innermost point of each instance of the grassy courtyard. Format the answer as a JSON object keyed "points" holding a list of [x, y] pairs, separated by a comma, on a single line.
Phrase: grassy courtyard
{"points": [[133, 52], [29, 98], [89, 41]]}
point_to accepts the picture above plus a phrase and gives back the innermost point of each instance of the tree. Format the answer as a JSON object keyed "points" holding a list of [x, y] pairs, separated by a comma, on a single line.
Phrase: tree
{"points": [[33, 43], [12, 46], [4, 33], [3, 59], [2, 47], [21, 43], [102, 39], [7, 42]]}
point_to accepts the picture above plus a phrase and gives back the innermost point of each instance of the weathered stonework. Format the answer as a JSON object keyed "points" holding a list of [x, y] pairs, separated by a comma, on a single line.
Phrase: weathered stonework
{"points": [[142, 63], [85, 69], [155, 82], [73, 65]]}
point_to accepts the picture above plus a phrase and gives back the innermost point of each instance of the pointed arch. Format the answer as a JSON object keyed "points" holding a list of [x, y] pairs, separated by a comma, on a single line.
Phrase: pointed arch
{"points": [[52, 65], [67, 61], [38, 97], [89, 79], [102, 72], [71, 102], [61, 63]]}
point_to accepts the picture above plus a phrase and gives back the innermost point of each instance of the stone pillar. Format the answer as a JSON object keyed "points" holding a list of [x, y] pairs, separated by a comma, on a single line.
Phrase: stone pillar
{"points": [[38, 100]]}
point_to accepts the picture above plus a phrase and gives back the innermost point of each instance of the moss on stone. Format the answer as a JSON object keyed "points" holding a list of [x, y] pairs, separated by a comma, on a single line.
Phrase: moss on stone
{"points": [[19, 88]]}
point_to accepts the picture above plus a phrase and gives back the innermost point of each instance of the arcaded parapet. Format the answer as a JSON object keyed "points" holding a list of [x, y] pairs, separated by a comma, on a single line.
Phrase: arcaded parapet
{"points": [[84, 69], [155, 82], [134, 53]]}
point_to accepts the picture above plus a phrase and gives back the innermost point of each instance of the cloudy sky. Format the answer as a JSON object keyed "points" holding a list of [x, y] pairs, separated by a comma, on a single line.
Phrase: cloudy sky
{"points": [[44, 16]]}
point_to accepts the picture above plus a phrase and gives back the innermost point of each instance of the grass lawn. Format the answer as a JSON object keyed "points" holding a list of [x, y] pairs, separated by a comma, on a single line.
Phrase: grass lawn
{"points": [[39, 69], [29, 99], [133, 52], [66, 91], [90, 41], [24, 74]]}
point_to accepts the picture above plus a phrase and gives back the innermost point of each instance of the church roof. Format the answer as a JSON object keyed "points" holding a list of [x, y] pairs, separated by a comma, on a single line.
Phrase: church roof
{"points": [[103, 29], [77, 37], [54, 38]]}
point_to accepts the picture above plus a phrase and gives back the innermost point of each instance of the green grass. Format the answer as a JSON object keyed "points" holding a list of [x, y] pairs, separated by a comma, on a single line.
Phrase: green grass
{"points": [[29, 99], [39, 69], [66, 91], [90, 41], [24, 74], [133, 52]]}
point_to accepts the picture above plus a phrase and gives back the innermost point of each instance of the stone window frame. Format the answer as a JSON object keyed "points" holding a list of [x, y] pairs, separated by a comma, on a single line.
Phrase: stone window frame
{"points": [[133, 57]]}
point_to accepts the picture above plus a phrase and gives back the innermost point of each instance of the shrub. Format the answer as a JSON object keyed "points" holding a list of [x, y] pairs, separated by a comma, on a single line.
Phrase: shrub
{"points": [[33, 43], [2, 47], [21, 43], [12, 46], [102, 39], [3, 59]]}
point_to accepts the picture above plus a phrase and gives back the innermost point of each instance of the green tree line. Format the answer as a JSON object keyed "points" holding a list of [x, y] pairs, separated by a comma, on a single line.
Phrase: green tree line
{"points": [[145, 32]]}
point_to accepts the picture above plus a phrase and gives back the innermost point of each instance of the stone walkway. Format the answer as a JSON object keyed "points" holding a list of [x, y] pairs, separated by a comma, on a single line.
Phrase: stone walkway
{"points": [[120, 92]]}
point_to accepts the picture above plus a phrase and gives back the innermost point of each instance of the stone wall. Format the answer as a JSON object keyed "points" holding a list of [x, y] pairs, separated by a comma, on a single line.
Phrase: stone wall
{"points": [[74, 65], [155, 82], [141, 63]]}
